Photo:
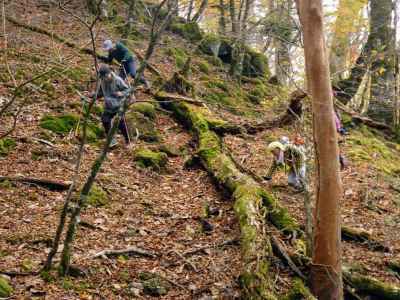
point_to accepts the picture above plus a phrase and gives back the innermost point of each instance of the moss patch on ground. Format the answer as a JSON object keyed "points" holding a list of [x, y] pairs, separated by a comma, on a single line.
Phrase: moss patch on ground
{"points": [[5, 288], [365, 147], [6, 146], [97, 196], [64, 124], [153, 284], [179, 55]]}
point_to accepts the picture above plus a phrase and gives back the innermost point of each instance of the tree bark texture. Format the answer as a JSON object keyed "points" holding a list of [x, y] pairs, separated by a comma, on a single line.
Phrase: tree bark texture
{"points": [[326, 278]]}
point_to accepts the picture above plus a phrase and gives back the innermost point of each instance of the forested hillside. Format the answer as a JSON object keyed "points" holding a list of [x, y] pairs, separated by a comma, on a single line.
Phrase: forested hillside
{"points": [[185, 206]]}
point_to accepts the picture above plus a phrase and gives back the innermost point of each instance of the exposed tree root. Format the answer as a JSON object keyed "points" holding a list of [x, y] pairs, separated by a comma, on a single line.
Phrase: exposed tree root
{"points": [[55, 185]]}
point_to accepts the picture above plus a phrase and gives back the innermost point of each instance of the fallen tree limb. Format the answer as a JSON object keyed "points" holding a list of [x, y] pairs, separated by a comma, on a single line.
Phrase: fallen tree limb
{"points": [[201, 249], [364, 237], [72, 45], [293, 113], [128, 251], [179, 98], [357, 119], [17, 273], [55, 185], [280, 251]]}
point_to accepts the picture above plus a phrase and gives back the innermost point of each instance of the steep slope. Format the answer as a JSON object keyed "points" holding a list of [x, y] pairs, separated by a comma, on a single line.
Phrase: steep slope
{"points": [[140, 207]]}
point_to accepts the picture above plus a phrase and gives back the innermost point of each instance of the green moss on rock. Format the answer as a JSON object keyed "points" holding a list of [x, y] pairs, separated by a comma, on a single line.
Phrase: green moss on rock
{"points": [[210, 44], [59, 124], [170, 150], [153, 284], [372, 149], [139, 124], [179, 55], [204, 67], [6, 146], [255, 64], [146, 109], [64, 124], [5, 288], [190, 31], [146, 158]]}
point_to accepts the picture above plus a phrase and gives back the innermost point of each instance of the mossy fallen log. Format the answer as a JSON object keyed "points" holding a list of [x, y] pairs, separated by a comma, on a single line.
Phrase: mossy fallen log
{"points": [[293, 113], [299, 291], [357, 283], [250, 200], [367, 285], [364, 237]]}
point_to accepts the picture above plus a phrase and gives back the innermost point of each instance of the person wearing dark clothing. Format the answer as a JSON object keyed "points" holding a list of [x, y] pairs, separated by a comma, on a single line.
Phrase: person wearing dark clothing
{"points": [[121, 54], [113, 88], [340, 130]]}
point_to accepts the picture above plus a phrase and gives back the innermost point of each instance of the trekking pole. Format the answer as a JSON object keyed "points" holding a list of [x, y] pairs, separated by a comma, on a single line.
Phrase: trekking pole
{"points": [[126, 128]]}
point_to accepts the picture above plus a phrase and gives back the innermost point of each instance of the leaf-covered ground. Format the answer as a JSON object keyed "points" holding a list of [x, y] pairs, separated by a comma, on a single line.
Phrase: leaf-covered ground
{"points": [[156, 211]]}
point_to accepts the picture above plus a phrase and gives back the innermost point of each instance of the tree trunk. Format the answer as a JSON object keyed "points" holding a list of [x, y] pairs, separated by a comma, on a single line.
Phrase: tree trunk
{"points": [[382, 70], [282, 42], [130, 18], [222, 18], [200, 12], [190, 10], [326, 276], [347, 22], [232, 11]]}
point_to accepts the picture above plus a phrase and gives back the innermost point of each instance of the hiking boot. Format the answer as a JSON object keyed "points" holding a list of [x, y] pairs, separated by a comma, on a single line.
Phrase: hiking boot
{"points": [[113, 143]]}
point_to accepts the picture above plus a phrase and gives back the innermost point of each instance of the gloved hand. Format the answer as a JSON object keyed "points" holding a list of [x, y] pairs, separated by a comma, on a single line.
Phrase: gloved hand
{"points": [[267, 178], [342, 131]]}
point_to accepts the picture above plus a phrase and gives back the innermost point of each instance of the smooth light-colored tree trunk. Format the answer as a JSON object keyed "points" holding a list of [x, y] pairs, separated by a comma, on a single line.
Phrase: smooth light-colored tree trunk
{"points": [[326, 276]]}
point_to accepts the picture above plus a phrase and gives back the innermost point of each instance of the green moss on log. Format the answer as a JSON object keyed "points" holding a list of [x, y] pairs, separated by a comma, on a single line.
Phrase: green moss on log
{"points": [[366, 285], [299, 291], [5, 288], [146, 158], [6, 146], [248, 199], [278, 215]]}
